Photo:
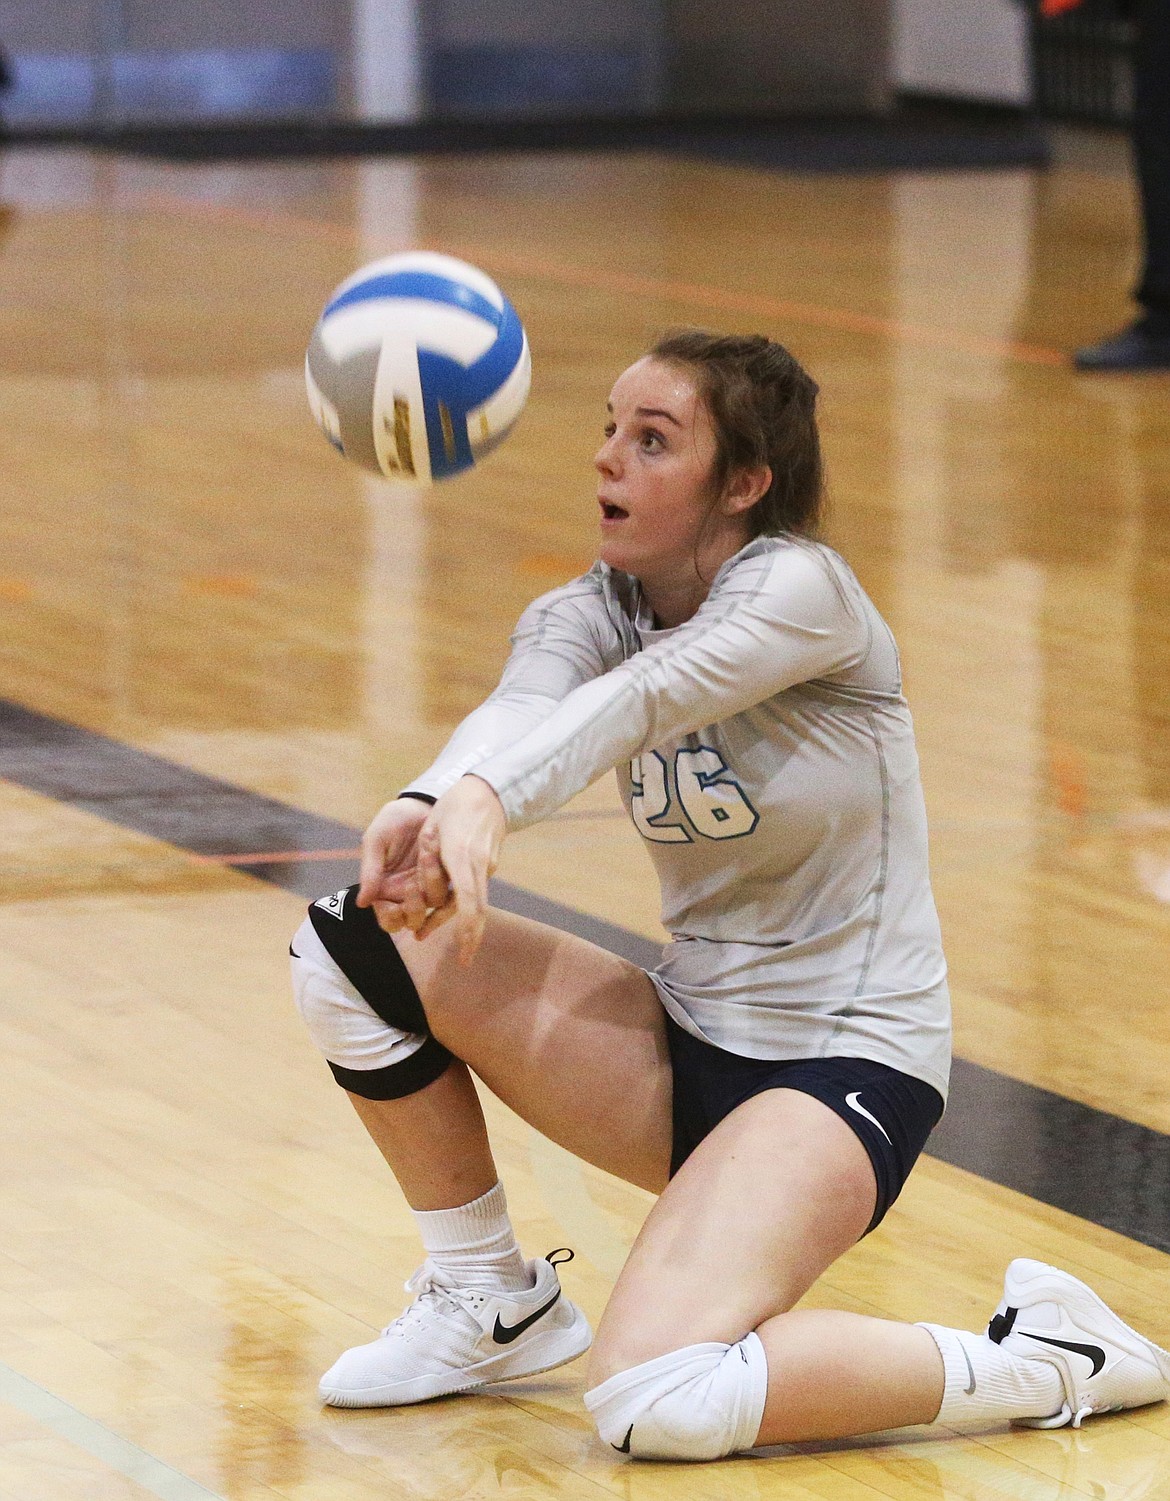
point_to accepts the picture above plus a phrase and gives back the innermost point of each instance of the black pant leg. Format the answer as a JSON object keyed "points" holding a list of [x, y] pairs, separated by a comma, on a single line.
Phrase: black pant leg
{"points": [[1151, 142]]}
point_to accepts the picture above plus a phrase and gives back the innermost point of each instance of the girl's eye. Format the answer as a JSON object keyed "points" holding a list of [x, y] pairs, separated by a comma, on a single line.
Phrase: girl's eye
{"points": [[609, 429], [651, 439]]}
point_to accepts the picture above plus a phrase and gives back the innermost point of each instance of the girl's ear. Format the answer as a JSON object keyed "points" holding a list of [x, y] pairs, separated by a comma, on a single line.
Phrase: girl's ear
{"points": [[745, 488]]}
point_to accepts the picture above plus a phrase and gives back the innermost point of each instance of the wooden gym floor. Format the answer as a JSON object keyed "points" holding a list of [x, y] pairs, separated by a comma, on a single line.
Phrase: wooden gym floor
{"points": [[192, 1223]]}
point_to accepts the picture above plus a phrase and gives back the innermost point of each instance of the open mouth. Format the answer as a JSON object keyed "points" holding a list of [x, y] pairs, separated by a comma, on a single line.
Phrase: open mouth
{"points": [[610, 512]]}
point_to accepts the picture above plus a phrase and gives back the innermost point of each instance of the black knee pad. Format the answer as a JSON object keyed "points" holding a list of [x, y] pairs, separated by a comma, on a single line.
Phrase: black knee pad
{"points": [[370, 961]]}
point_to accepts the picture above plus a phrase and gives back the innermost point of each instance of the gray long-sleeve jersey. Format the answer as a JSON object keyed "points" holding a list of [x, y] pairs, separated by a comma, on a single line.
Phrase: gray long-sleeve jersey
{"points": [[766, 754]]}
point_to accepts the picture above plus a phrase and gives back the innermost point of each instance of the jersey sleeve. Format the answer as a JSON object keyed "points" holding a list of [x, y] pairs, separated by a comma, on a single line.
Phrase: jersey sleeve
{"points": [[556, 647], [777, 620]]}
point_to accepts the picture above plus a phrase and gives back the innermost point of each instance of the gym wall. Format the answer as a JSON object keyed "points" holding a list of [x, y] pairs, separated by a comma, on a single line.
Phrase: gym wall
{"points": [[116, 62]]}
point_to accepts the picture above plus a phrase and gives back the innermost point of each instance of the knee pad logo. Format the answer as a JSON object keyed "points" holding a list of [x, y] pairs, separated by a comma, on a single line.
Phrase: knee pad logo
{"points": [[334, 905]]}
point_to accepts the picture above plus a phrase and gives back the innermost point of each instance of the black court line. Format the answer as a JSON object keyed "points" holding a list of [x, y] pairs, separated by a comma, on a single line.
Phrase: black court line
{"points": [[1055, 1150]]}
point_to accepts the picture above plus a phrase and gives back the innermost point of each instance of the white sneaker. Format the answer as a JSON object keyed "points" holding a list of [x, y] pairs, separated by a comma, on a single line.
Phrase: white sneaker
{"points": [[1046, 1314], [451, 1339]]}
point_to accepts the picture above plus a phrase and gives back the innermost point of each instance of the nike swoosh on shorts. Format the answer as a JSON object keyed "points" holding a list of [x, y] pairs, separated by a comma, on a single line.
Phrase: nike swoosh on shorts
{"points": [[853, 1101]]}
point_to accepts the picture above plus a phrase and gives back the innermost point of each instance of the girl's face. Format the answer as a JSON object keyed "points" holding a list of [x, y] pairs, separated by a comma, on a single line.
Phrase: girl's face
{"points": [[655, 489]]}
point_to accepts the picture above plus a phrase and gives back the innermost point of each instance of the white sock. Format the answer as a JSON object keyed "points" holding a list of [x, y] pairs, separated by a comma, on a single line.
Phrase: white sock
{"points": [[475, 1244], [986, 1383]]}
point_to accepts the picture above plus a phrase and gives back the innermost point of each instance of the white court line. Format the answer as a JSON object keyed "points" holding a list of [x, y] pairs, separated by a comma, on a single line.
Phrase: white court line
{"points": [[88, 1434]]}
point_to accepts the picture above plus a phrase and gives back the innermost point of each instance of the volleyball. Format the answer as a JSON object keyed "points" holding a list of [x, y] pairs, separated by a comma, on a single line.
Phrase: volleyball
{"points": [[418, 367]]}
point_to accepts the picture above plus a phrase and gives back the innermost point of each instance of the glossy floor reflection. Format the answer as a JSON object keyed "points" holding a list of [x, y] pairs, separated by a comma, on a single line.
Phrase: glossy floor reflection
{"points": [[192, 1222]]}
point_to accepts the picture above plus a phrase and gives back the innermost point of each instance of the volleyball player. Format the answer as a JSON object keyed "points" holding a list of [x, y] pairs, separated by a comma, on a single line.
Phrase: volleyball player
{"points": [[775, 1078]]}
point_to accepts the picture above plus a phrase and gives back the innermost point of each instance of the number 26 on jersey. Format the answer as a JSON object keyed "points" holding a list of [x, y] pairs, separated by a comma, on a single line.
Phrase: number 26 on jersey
{"points": [[707, 798]]}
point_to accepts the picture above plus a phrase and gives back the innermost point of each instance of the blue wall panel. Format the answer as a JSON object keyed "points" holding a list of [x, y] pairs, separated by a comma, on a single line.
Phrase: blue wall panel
{"points": [[142, 87], [526, 81]]}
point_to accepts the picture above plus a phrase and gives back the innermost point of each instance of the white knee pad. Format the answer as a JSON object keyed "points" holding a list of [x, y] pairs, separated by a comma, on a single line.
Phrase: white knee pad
{"points": [[702, 1402], [340, 1021]]}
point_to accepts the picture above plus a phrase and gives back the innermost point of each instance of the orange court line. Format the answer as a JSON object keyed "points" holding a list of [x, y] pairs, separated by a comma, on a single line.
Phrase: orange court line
{"points": [[278, 857], [725, 300], [651, 287]]}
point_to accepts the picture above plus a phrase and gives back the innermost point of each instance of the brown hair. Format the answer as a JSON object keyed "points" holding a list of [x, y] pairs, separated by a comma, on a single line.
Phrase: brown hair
{"points": [[762, 405]]}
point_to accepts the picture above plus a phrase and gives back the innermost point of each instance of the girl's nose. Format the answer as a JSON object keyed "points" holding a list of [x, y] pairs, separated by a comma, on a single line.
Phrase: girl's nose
{"points": [[606, 457]]}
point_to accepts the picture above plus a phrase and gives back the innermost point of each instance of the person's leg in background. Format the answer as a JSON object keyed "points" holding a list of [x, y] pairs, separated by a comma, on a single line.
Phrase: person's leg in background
{"points": [[1145, 344]]}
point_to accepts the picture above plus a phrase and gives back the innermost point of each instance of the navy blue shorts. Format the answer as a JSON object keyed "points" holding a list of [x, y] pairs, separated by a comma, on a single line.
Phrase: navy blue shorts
{"points": [[891, 1113]]}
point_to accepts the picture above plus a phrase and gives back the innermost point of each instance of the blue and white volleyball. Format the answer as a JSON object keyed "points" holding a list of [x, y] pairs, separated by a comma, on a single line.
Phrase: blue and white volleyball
{"points": [[418, 367]]}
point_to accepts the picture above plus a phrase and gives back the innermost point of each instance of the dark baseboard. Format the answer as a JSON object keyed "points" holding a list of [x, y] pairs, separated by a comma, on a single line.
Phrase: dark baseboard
{"points": [[917, 134]]}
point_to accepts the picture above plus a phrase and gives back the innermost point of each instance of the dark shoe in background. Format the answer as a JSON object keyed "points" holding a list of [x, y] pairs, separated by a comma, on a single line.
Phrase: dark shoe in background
{"points": [[1144, 345]]}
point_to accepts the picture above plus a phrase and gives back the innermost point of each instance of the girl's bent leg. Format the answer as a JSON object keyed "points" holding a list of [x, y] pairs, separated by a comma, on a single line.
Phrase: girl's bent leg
{"points": [[569, 1036], [774, 1195], [434, 1141], [701, 1352], [777, 1192]]}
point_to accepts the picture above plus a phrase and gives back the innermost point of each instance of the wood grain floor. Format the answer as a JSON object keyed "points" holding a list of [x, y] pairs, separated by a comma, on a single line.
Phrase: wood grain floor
{"points": [[192, 1223]]}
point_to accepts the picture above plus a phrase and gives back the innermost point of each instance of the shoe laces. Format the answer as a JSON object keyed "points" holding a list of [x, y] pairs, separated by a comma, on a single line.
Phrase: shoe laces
{"points": [[1066, 1416], [433, 1293]]}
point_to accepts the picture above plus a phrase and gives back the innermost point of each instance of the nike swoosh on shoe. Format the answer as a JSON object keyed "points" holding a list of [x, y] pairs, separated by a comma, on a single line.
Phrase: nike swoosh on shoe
{"points": [[504, 1334], [1090, 1352]]}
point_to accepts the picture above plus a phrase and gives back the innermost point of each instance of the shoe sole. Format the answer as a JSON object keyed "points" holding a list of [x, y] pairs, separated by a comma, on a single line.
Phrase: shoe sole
{"points": [[1030, 1282], [551, 1349]]}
